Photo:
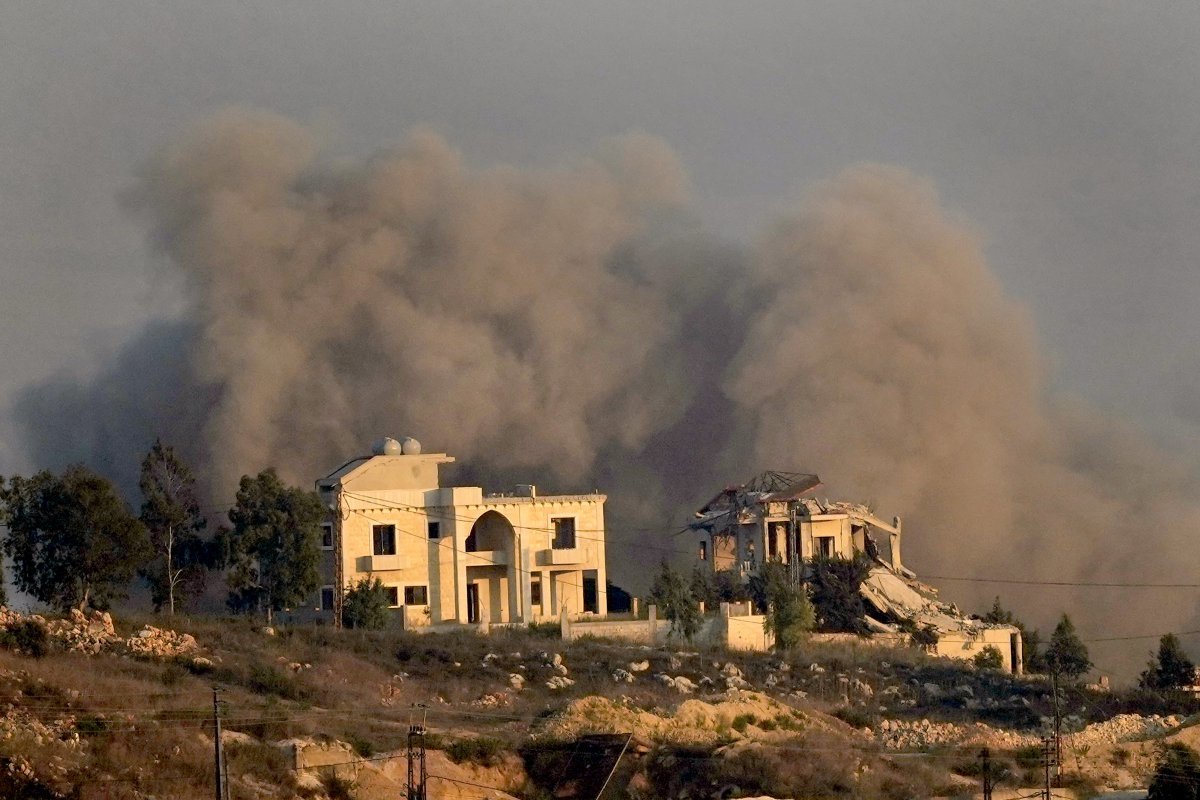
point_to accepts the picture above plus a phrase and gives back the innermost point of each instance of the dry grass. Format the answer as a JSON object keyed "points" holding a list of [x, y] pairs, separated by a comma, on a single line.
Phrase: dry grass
{"points": [[144, 723]]}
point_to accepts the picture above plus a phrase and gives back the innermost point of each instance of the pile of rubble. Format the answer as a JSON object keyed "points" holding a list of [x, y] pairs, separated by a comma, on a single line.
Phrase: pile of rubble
{"points": [[40, 751], [695, 722], [95, 634], [1124, 728], [152, 642], [920, 734]]}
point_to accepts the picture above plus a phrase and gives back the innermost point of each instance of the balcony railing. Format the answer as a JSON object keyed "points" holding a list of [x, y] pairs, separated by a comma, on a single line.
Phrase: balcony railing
{"points": [[564, 556]]}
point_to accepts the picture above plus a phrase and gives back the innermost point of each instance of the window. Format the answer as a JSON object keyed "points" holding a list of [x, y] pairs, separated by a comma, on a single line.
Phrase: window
{"points": [[393, 595], [535, 589], [564, 532], [327, 598], [825, 546], [704, 551], [327, 535], [435, 530], [416, 596], [384, 539]]}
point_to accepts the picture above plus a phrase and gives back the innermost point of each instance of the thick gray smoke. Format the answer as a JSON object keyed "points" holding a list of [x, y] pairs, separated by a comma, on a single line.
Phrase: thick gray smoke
{"points": [[573, 325]]}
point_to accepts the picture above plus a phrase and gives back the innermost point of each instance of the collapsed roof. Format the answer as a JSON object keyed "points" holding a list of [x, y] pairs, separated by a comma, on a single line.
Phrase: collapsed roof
{"points": [[891, 589]]}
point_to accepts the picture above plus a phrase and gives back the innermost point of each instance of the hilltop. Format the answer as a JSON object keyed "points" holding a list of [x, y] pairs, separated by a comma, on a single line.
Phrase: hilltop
{"points": [[123, 709]]}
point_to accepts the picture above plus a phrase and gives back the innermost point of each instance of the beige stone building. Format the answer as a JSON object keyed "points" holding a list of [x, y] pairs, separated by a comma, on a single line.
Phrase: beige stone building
{"points": [[452, 554]]}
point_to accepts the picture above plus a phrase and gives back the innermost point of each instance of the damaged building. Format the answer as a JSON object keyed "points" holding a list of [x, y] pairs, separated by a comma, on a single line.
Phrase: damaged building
{"points": [[775, 517]]}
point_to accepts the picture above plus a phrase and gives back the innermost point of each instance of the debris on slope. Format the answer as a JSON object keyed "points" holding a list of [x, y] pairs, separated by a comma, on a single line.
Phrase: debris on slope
{"points": [[95, 634], [921, 734], [696, 722], [39, 752]]}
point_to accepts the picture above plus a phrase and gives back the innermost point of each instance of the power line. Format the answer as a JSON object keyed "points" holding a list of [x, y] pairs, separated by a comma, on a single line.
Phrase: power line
{"points": [[1087, 584]]}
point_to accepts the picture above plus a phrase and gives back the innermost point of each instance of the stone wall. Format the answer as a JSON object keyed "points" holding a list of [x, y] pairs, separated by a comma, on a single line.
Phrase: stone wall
{"points": [[729, 628]]}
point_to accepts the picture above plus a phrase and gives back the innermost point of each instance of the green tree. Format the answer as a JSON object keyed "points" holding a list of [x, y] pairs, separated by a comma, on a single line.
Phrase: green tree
{"points": [[1171, 669], [703, 587], [366, 606], [274, 548], [1176, 774], [1067, 654], [834, 585], [73, 542], [171, 513], [790, 614], [1032, 654], [676, 602]]}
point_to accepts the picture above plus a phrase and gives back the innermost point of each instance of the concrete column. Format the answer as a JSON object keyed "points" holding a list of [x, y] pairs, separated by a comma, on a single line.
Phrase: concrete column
{"points": [[653, 623], [526, 579], [1019, 648], [633, 607], [897, 564], [460, 574]]}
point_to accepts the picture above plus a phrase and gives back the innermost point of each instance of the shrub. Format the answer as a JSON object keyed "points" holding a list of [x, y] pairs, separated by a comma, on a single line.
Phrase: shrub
{"points": [[362, 747], [988, 658], [271, 681], [1176, 774], [925, 637], [790, 614], [743, 721], [91, 725], [28, 636], [483, 750], [172, 674], [366, 606], [337, 788], [676, 601], [545, 630], [855, 717]]}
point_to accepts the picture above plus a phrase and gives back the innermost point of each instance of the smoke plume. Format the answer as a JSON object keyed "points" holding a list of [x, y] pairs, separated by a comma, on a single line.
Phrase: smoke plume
{"points": [[574, 325]]}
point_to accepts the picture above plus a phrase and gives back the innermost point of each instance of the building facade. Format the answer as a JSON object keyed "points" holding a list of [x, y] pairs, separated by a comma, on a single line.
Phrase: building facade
{"points": [[771, 518], [453, 554]]}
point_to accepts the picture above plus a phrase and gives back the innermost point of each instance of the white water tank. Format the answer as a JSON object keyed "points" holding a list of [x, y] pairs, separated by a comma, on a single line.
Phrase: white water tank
{"points": [[387, 446], [410, 446]]}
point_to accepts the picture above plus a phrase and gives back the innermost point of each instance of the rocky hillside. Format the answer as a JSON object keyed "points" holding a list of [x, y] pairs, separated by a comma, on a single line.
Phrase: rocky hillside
{"points": [[94, 707]]}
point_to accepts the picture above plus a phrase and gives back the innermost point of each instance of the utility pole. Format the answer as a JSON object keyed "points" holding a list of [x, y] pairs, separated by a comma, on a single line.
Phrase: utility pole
{"points": [[218, 751], [417, 775], [1047, 760], [1057, 730], [985, 756], [795, 568]]}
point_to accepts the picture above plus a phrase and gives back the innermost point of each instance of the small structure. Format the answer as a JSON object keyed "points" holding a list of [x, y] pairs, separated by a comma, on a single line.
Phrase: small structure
{"points": [[452, 554], [773, 517]]}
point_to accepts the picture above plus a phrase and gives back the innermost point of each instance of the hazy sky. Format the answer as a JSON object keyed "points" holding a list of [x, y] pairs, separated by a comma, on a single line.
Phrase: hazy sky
{"points": [[1068, 133]]}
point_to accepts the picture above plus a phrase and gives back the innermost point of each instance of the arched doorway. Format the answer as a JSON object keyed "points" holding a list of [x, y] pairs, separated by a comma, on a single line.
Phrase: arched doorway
{"points": [[492, 589]]}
